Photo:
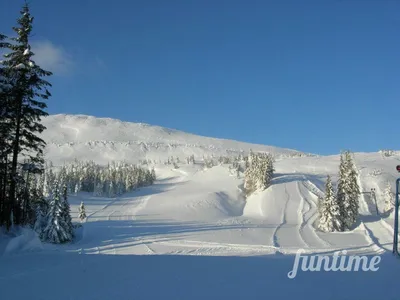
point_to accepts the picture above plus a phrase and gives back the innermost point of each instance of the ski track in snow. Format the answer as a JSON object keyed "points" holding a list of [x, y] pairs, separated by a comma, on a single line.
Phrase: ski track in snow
{"points": [[201, 246], [216, 248], [304, 208], [127, 211], [149, 250], [299, 216], [102, 209], [303, 220], [312, 217], [275, 237], [120, 210]]}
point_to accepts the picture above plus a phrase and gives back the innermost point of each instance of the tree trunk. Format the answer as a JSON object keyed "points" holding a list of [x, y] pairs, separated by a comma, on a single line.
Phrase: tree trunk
{"points": [[13, 174]]}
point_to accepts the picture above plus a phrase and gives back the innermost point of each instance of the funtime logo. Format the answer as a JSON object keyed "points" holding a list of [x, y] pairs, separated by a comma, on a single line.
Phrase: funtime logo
{"points": [[339, 261]]}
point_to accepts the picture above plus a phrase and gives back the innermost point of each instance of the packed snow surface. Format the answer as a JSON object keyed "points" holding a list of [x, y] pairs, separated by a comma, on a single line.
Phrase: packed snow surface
{"points": [[193, 234]]}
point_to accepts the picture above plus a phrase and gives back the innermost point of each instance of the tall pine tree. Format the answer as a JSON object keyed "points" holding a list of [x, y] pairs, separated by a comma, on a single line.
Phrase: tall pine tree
{"points": [[66, 210], [353, 192], [4, 135], [348, 191], [25, 105]]}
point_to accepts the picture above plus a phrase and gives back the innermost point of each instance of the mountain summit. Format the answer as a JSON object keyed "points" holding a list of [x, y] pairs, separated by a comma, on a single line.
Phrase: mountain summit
{"points": [[105, 139]]}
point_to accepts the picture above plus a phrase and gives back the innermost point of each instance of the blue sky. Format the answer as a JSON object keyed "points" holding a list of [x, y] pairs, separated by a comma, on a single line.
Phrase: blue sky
{"points": [[316, 76]]}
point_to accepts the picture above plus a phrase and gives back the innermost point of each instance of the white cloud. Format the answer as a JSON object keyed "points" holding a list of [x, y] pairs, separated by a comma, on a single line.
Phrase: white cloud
{"points": [[51, 57]]}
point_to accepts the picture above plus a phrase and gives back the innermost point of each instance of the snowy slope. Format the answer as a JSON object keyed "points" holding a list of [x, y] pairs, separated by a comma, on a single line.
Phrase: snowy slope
{"points": [[192, 210], [193, 235], [104, 139]]}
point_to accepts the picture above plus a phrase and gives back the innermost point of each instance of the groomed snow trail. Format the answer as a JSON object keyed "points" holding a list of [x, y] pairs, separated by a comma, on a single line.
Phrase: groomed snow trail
{"points": [[287, 234], [103, 230], [310, 216]]}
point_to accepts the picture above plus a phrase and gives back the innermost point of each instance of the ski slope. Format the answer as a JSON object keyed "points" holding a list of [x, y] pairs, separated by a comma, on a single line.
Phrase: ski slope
{"points": [[193, 235]]}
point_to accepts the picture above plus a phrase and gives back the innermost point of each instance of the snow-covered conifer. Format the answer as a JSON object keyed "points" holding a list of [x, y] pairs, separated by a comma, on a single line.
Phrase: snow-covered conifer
{"points": [[348, 191], [329, 210], [57, 230], [258, 175], [66, 210], [354, 192], [27, 95], [388, 197]]}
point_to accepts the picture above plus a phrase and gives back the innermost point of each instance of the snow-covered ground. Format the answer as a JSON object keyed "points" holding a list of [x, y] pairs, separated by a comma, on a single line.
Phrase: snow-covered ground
{"points": [[103, 140], [193, 235]]}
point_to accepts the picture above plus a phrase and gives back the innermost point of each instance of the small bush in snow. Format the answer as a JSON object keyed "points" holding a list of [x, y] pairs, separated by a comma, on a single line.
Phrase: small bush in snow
{"points": [[386, 153], [375, 172], [389, 197], [82, 212]]}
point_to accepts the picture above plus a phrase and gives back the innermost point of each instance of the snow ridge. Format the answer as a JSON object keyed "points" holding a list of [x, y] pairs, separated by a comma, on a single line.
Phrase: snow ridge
{"points": [[104, 139]]}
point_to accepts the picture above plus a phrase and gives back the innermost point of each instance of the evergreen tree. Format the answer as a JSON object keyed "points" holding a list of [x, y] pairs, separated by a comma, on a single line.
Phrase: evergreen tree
{"points": [[41, 219], [258, 175], [57, 230], [329, 210], [25, 107], [66, 210], [249, 176], [353, 192], [5, 131], [82, 212], [348, 191]]}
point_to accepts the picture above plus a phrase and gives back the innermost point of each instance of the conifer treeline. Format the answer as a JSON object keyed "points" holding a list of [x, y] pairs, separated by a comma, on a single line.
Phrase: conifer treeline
{"points": [[112, 180], [49, 208], [259, 172]]}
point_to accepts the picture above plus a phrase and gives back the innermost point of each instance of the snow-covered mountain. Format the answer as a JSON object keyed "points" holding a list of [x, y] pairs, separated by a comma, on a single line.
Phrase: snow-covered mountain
{"points": [[193, 233], [104, 139]]}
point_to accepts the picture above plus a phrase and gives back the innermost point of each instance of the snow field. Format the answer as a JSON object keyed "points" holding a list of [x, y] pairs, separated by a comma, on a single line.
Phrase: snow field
{"points": [[193, 234]]}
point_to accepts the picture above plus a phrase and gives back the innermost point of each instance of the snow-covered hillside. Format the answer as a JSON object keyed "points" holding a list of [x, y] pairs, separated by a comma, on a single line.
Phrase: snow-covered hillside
{"points": [[104, 139], [193, 234]]}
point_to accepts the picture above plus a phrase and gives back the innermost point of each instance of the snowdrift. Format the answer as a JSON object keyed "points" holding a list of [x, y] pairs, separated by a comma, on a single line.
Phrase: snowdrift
{"points": [[26, 240]]}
